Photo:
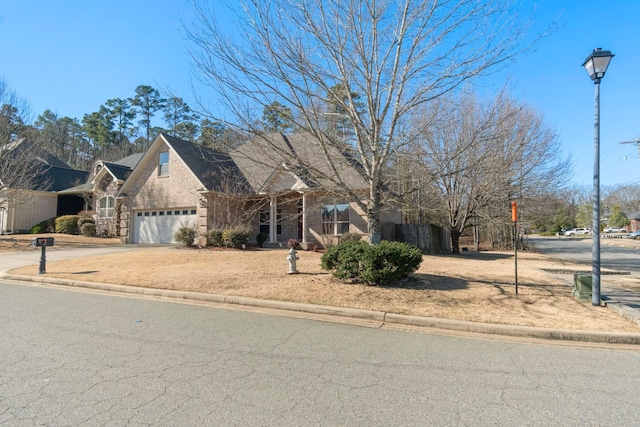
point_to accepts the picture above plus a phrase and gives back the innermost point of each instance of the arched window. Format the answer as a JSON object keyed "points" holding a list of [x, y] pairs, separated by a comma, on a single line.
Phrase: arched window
{"points": [[105, 207]]}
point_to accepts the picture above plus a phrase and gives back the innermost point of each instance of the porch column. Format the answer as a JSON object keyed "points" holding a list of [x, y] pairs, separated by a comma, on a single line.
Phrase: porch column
{"points": [[273, 213], [304, 218], [13, 218]]}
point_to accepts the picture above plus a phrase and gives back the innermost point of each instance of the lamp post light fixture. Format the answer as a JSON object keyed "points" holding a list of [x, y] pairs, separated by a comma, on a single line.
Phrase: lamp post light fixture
{"points": [[596, 65]]}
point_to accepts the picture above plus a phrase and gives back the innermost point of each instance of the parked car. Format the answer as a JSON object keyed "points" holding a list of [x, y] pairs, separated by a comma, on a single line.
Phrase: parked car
{"points": [[577, 231], [634, 235], [614, 230]]}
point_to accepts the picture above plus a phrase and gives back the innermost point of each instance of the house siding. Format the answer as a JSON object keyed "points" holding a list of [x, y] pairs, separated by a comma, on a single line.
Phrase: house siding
{"points": [[36, 206]]}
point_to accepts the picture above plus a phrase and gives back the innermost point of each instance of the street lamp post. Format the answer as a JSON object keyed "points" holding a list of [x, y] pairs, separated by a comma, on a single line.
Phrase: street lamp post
{"points": [[596, 65]]}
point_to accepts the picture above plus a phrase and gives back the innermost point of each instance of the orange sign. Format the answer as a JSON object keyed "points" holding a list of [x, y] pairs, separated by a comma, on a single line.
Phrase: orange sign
{"points": [[514, 211]]}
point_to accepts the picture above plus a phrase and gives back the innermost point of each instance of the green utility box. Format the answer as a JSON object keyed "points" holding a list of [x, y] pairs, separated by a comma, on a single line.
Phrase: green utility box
{"points": [[582, 286]]}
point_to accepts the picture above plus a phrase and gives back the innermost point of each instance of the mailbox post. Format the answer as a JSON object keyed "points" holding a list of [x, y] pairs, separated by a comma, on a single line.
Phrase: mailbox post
{"points": [[42, 242]]}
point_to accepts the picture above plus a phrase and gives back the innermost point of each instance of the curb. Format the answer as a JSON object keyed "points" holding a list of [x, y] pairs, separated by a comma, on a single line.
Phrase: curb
{"points": [[379, 316]]}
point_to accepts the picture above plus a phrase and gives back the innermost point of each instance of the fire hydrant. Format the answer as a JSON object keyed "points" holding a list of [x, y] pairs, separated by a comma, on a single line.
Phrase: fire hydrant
{"points": [[292, 261]]}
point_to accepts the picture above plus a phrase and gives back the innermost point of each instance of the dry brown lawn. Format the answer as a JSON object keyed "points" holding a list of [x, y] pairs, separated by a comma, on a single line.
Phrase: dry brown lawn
{"points": [[472, 286]]}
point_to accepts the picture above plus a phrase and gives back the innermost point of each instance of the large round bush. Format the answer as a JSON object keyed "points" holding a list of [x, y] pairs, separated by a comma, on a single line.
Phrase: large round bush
{"points": [[384, 264]]}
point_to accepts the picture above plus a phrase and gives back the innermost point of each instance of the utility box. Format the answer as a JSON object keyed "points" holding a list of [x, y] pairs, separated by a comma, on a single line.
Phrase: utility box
{"points": [[582, 285], [40, 242]]}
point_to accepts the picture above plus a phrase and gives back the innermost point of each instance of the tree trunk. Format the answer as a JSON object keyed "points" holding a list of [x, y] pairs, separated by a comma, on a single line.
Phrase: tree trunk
{"points": [[455, 240], [374, 232]]}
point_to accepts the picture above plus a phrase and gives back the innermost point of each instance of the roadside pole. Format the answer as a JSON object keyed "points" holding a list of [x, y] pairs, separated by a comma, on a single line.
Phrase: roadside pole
{"points": [[514, 219]]}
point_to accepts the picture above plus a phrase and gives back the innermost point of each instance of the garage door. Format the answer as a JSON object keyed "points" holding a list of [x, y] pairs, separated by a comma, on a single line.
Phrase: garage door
{"points": [[159, 226]]}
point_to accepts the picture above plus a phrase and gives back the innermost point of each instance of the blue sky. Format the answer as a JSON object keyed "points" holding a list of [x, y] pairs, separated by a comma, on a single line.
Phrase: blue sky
{"points": [[71, 56]]}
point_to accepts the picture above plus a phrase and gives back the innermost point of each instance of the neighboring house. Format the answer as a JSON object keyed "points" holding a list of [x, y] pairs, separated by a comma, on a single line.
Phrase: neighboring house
{"points": [[257, 186], [634, 219], [25, 207]]}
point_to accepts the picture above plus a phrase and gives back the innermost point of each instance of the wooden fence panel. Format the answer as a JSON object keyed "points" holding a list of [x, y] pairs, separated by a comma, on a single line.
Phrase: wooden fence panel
{"points": [[428, 237]]}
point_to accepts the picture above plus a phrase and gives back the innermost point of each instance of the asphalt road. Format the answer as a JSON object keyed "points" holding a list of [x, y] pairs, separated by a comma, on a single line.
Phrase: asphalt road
{"points": [[579, 250], [76, 358]]}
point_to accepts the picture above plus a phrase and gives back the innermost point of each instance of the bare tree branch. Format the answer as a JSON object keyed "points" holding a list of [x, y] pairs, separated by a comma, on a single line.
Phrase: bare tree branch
{"points": [[396, 56]]}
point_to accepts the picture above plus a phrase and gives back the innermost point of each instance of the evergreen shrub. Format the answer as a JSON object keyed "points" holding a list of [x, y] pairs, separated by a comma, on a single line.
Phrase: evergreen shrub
{"points": [[389, 262], [88, 229], [214, 237], [85, 220], [46, 226], [343, 260], [185, 235], [67, 224], [236, 237], [261, 238], [384, 264]]}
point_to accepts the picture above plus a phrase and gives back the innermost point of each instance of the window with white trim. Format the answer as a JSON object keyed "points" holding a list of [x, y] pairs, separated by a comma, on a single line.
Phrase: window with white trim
{"points": [[265, 216], [335, 219], [163, 163], [105, 207]]}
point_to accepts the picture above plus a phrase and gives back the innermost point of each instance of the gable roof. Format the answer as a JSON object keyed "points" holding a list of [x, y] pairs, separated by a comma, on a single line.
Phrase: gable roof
{"points": [[300, 154], [120, 172], [255, 166], [54, 178], [634, 215], [216, 171]]}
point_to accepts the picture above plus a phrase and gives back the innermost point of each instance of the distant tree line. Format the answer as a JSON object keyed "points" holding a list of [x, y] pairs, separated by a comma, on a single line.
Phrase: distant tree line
{"points": [[117, 129]]}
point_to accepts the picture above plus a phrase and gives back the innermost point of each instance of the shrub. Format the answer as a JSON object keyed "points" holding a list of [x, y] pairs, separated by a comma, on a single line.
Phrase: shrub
{"points": [[46, 226], [86, 214], [214, 237], [389, 262], [382, 264], [350, 237], [85, 220], [88, 229], [236, 237], [261, 238], [185, 235], [344, 259], [67, 224]]}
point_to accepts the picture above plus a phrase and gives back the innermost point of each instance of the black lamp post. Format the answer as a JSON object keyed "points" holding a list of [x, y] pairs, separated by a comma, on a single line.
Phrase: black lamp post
{"points": [[596, 65]]}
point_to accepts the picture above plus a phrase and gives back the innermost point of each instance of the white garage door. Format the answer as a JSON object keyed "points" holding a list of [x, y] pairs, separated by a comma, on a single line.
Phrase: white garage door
{"points": [[159, 226]]}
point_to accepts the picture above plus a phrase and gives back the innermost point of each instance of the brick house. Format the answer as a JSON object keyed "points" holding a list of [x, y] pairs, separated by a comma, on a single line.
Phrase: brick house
{"points": [[259, 186], [634, 221]]}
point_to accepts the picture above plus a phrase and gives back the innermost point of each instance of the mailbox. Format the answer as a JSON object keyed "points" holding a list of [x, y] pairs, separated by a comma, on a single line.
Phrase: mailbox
{"points": [[40, 242]]}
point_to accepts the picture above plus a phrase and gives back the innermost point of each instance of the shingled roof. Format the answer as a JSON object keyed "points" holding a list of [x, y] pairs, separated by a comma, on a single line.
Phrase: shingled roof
{"points": [[54, 174], [217, 171], [121, 172], [300, 154]]}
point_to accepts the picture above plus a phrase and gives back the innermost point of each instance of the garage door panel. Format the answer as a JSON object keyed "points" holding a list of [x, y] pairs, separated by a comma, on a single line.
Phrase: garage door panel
{"points": [[160, 226]]}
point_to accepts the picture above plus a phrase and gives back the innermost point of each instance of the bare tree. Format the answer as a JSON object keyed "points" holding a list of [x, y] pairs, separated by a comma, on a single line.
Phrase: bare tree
{"points": [[22, 170], [482, 155], [395, 56], [21, 164]]}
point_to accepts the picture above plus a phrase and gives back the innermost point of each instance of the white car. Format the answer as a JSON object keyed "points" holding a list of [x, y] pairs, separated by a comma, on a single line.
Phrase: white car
{"points": [[614, 230], [577, 231]]}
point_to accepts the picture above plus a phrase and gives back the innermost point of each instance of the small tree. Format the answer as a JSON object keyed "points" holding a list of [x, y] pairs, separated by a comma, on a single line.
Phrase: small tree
{"points": [[617, 218]]}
